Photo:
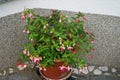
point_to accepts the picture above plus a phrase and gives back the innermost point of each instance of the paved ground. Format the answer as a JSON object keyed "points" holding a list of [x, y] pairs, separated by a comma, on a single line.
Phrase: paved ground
{"points": [[34, 75]]}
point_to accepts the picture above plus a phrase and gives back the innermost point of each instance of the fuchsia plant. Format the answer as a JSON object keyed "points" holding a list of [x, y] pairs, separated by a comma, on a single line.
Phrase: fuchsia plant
{"points": [[56, 37]]}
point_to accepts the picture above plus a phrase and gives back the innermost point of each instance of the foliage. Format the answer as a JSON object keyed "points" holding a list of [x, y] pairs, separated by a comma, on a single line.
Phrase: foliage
{"points": [[56, 37]]}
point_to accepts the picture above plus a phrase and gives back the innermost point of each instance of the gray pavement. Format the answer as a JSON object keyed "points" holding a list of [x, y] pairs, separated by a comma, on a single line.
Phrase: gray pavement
{"points": [[33, 75]]}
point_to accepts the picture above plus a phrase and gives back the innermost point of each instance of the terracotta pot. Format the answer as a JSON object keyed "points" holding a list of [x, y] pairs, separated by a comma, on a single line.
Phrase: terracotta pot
{"points": [[54, 72]]}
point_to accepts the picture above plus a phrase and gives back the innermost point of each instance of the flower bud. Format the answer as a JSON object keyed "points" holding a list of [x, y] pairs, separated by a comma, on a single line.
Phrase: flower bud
{"points": [[30, 15], [70, 48], [84, 18], [60, 21], [76, 20], [44, 27], [62, 48]]}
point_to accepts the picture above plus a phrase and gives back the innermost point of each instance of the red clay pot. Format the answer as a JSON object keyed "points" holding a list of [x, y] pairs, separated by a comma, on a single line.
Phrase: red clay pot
{"points": [[55, 73]]}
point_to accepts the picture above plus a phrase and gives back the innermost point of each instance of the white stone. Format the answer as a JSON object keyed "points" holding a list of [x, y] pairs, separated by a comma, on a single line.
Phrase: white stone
{"points": [[118, 75], [75, 70], [97, 72], [11, 70], [91, 68], [107, 74], [113, 70], [2, 72], [103, 68], [85, 71]]}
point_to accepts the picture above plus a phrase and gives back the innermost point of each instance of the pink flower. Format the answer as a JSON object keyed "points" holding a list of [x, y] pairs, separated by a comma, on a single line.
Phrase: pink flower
{"points": [[70, 48], [62, 48], [69, 68], [44, 69], [90, 56], [86, 67], [87, 33], [80, 70], [62, 68], [27, 31], [30, 15], [23, 16], [40, 68], [76, 20], [28, 53], [21, 66], [24, 31], [32, 59], [37, 59], [92, 41], [53, 10], [84, 18], [24, 51]]}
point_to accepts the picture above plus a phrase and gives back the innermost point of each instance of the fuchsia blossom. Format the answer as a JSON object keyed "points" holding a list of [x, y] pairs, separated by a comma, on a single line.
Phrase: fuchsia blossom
{"points": [[53, 10], [76, 20], [21, 66], [62, 48], [92, 41], [86, 68], [90, 56], [68, 68], [24, 51], [30, 15], [23, 16], [26, 31], [62, 68], [84, 18], [35, 59], [80, 70], [70, 48]]}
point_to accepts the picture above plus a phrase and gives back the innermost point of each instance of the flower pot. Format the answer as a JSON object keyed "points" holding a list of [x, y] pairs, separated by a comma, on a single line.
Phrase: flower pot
{"points": [[54, 72]]}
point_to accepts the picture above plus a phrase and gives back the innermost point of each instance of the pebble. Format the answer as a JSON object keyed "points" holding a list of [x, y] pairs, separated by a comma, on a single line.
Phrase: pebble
{"points": [[11, 70], [113, 70], [103, 68], [107, 74], [2, 72], [75, 70], [118, 75], [97, 72], [91, 68], [85, 71]]}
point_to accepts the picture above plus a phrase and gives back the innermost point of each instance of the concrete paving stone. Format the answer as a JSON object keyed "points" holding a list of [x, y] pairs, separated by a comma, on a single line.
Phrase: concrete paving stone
{"points": [[4, 78], [103, 78], [79, 77], [23, 75], [97, 72]]}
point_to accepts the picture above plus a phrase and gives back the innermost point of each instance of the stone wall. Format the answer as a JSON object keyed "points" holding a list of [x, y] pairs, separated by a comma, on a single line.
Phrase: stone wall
{"points": [[105, 28]]}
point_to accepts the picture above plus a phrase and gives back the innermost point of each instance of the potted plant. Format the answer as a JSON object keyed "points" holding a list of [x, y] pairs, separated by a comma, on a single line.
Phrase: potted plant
{"points": [[56, 41]]}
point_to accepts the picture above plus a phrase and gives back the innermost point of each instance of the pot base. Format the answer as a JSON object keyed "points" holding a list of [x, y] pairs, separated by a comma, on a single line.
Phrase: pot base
{"points": [[63, 77]]}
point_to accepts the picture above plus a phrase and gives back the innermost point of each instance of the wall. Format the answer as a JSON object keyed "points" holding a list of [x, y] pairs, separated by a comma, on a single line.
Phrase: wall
{"points": [[106, 30]]}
